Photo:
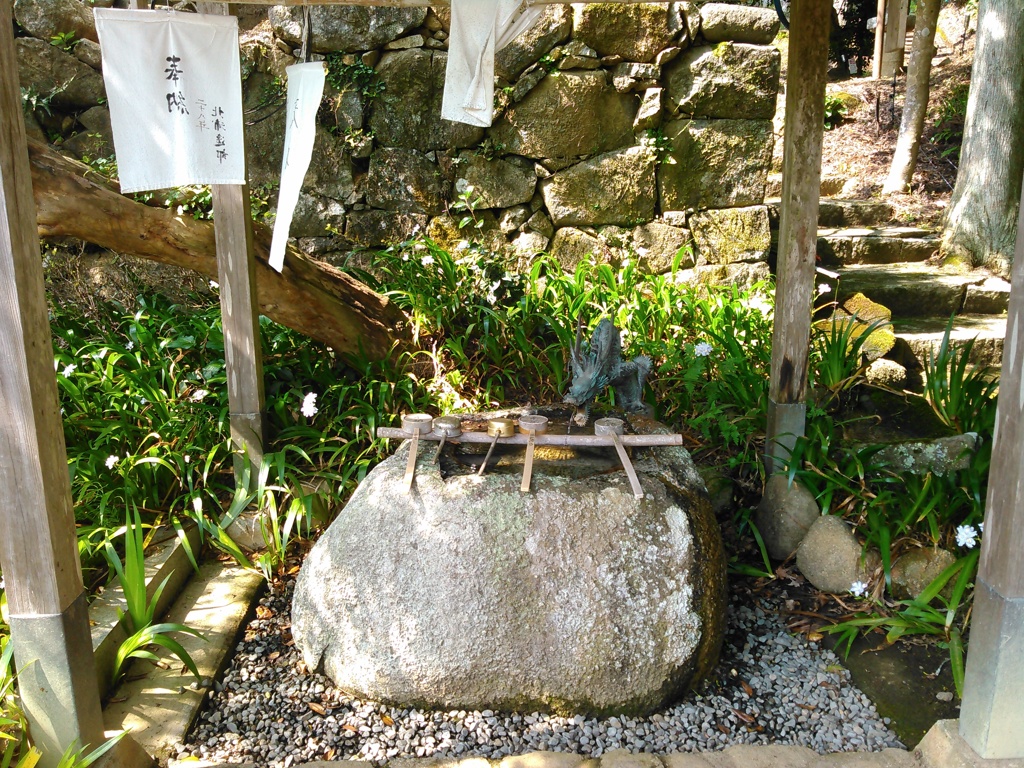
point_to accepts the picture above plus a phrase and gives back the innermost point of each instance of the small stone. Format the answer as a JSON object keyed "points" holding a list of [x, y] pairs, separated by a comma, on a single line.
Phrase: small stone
{"points": [[944, 695], [786, 512]]}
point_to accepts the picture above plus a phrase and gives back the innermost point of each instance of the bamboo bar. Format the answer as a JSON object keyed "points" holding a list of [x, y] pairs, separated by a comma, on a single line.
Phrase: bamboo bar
{"points": [[565, 441]]}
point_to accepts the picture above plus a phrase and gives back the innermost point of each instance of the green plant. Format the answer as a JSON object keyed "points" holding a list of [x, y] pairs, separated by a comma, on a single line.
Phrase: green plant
{"points": [[142, 632], [33, 100], [921, 616], [837, 350], [661, 144], [65, 41], [835, 111], [340, 75], [962, 396]]}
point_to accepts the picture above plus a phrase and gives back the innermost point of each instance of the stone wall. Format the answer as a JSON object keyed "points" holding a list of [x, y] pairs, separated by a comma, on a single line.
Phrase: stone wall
{"points": [[619, 130]]}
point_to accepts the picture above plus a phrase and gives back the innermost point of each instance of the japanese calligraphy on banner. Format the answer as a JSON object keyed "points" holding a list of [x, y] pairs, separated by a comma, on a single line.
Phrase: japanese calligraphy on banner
{"points": [[175, 95], [305, 90]]}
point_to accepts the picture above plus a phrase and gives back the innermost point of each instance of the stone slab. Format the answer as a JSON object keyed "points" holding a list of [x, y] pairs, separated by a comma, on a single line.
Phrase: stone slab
{"points": [[908, 289], [158, 705], [922, 335], [944, 747]]}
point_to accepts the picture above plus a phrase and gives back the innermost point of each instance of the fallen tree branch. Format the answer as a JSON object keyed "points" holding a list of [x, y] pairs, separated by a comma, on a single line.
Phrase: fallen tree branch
{"points": [[311, 297]]}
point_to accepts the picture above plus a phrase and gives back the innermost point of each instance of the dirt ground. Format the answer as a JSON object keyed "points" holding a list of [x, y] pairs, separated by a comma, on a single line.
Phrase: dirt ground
{"points": [[860, 148]]}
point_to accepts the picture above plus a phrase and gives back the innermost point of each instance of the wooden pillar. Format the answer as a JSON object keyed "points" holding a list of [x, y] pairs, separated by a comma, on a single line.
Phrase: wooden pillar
{"points": [[890, 38], [798, 226], [993, 708], [243, 352], [38, 543]]}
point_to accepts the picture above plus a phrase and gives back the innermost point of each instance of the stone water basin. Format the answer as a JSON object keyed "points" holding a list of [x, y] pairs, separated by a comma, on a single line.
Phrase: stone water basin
{"points": [[467, 593]]}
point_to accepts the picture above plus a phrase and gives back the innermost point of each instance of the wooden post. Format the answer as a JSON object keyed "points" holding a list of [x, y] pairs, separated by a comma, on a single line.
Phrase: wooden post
{"points": [[798, 226], [894, 39], [243, 352], [38, 543], [993, 709], [876, 61]]}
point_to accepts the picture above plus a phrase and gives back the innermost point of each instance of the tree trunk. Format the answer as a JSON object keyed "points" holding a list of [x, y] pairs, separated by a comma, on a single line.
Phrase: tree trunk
{"points": [[915, 103], [982, 221], [310, 297]]}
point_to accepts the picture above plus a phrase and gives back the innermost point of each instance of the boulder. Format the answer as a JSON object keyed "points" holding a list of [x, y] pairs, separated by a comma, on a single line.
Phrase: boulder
{"points": [[446, 232], [886, 373], [913, 571], [940, 456], [571, 246], [786, 512], [741, 275], [650, 113], [614, 188], [500, 182], [88, 52], [467, 593], [729, 235], [316, 216], [44, 19], [728, 80], [574, 114], [691, 18], [831, 558], [657, 244], [346, 28], [97, 137], [636, 32], [718, 163], [57, 75], [738, 23], [376, 228], [403, 180], [553, 27], [408, 112], [579, 55], [526, 245]]}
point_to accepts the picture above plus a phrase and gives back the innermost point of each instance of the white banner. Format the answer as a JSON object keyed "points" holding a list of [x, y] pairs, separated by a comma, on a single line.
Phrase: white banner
{"points": [[305, 90], [175, 95]]}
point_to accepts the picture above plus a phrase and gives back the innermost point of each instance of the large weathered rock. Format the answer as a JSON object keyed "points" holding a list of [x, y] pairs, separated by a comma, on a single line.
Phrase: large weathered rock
{"points": [[728, 80], [740, 275], [408, 112], [739, 23], [346, 28], [467, 593], [913, 571], [498, 183], [552, 28], [786, 512], [831, 558], [614, 188], [57, 75], [330, 168], [718, 163], [940, 456], [657, 244], [373, 228], [44, 19], [446, 232], [403, 180], [634, 32], [576, 113], [570, 246], [729, 235], [317, 216]]}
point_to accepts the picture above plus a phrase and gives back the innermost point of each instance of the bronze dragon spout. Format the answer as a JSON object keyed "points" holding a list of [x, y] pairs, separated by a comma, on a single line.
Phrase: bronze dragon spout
{"points": [[599, 364]]}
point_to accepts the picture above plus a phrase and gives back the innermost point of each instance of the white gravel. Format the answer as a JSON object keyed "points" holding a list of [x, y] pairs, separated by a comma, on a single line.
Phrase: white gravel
{"points": [[770, 688]]}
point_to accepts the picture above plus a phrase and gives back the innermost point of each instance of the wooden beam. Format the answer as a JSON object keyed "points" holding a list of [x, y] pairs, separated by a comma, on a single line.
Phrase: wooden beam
{"points": [[243, 351], [993, 708], [798, 226], [38, 542]]}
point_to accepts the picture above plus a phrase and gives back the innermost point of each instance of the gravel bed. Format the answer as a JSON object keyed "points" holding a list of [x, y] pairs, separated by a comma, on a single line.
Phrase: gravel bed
{"points": [[770, 687]]}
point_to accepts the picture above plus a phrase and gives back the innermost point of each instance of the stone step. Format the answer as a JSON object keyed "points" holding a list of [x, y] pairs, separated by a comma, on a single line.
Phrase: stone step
{"points": [[918, 337], [842, 213], [916, 289], [831, 186], [875, 245]]}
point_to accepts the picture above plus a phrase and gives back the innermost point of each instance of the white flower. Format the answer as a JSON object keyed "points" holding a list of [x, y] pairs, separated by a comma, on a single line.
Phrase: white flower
{"points": [[143, 400], [405, 257], [824, 288], [198, 395], [462, 245], [462, 186], [68, 370], [966, 536], [702, 349], [427, 260], [309, 409], [214, 284], [981, 527], [858, 589], [111, 461], [130, 346]]}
